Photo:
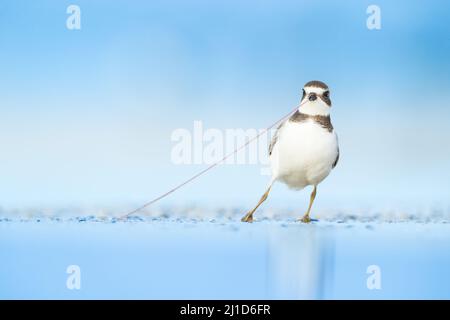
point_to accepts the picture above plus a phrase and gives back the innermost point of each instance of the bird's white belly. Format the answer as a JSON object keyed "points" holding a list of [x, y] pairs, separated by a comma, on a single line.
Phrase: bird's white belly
{"points": [[304, 154]]}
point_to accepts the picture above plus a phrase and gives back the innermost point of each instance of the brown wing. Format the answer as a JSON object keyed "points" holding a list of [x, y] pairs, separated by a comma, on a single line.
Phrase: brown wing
{"points": [[275, 138], [336, 161]]}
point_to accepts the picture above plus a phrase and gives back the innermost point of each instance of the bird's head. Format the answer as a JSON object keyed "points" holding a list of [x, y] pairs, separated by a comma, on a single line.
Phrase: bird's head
{"points": [[316, 99]]}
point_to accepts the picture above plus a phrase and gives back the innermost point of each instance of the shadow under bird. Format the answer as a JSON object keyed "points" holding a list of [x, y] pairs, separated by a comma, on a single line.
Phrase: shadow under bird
{"points": [[305, 147]]}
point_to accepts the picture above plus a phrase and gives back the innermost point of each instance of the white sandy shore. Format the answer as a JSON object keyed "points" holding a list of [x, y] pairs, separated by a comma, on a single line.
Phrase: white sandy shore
{"points": [[199, 214]]}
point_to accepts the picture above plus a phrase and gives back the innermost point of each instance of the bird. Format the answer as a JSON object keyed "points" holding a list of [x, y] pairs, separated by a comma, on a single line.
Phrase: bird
{"points": [[304, 149]]}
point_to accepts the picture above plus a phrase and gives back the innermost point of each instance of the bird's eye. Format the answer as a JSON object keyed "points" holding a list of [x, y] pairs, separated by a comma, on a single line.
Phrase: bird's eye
{"points": [[326, 94]]}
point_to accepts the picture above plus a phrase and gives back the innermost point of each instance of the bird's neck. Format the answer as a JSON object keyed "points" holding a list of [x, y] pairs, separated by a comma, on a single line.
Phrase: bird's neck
{"points": [[323, 121], [315, 109]]}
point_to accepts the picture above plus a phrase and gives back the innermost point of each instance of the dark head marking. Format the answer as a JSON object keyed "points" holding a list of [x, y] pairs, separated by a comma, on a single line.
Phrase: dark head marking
{"points": [[324, 96], [317, 84]]}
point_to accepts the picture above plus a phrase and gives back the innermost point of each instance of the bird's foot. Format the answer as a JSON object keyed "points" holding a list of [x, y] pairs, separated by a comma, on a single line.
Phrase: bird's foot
{"points": [[247, 218], [305, 219]]}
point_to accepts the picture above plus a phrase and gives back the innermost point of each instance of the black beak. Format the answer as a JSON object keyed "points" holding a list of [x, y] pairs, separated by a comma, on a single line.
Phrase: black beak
{"points": [[312, 97]]}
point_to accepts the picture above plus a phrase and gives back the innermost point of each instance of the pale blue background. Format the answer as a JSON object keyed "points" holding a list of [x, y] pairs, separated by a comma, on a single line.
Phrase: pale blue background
{"points": [[86, 116], [166, 260]]}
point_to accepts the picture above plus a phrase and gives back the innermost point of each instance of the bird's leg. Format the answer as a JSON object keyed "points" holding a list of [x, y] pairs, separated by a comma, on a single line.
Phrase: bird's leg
{"points": [[306, 218], [249, 216]]}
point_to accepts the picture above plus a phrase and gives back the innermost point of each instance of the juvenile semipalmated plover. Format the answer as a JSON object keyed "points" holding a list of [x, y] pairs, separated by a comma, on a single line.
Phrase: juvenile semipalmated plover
{"points": [[304, 148]]}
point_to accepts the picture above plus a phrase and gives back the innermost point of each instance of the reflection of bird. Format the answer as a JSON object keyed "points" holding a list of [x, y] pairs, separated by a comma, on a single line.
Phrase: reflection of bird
{"points": [[305, 147]]}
